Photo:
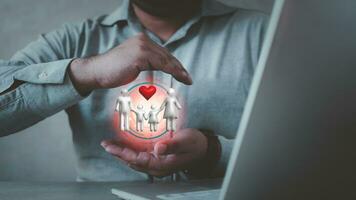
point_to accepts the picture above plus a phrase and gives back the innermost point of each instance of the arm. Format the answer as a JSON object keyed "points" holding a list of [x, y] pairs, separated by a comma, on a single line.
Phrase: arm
{"points": [[145, 116], [133, 110], [162, 106], [177, 104], [130, 106], [117, 108], [43, 79], [35, 84]]}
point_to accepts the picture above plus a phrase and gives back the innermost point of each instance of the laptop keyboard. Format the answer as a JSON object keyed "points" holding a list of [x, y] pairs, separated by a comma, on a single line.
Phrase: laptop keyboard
{"points": [[198, 195]]}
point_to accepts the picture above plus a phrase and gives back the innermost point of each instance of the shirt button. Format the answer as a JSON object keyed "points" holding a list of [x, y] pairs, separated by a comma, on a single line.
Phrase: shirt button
{"points": [[42, 75]]}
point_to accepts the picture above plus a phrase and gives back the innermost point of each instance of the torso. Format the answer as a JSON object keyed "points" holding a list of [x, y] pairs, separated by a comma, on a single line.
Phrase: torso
{"points": [[153, 116], [140, 115], [221, 65], [170, 110], [125, 103]]}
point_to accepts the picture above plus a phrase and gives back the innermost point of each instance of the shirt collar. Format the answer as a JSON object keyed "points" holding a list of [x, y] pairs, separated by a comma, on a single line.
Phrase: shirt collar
{"points": [[209, 8]]}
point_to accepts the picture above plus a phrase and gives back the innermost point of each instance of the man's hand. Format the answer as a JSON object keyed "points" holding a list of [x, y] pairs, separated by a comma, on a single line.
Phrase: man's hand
{"points": [[123, 64], [186, 148]]}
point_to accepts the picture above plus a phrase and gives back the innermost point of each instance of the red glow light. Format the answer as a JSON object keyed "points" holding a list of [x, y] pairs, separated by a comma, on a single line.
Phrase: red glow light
{"points": [[144, 141]]}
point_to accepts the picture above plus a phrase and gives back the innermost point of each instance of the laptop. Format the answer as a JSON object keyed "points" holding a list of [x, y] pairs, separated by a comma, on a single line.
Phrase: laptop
{"points": [[297, 135]]}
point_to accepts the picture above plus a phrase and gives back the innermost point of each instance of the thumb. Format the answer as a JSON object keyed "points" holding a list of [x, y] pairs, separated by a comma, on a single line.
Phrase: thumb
{"points": [[160, 148], [172, 146]]}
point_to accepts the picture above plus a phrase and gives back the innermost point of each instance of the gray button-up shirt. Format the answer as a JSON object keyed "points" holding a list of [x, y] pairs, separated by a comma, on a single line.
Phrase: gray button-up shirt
{"points": [[219, 47]]}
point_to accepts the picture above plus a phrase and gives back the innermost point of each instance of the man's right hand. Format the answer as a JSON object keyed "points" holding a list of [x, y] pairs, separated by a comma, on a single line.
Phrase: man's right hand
{"points": [[123, 64]]}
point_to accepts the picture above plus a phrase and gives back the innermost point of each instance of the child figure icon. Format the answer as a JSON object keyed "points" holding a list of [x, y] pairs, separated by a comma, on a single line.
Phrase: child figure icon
{"points": [[153, 118], [140, 116]]}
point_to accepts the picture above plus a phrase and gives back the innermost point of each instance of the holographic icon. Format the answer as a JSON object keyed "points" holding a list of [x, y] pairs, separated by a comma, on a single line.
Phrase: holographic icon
{"points": [[170, 105]]}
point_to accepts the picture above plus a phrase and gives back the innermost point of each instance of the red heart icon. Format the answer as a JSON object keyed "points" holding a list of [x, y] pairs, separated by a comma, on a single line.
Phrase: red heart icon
{"points": [[147, 92]]}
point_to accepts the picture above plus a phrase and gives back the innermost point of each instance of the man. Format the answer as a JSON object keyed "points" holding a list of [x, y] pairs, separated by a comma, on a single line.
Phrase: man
{"points": [[215, 45]]}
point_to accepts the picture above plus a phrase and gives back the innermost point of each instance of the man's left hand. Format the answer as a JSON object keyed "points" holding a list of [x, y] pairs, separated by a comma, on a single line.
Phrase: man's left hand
{"points": [[185, 149]]}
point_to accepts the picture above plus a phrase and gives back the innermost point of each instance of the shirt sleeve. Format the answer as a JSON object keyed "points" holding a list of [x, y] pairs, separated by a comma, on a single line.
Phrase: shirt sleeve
{"points": [[226, 149], [46, 89]]}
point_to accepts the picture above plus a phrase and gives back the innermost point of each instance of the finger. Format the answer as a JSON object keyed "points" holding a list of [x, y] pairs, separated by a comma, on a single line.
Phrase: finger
{"points": [[111, 146], [105, 143], [159, 58], [156, 173], [180, 143], [117, 149], [172, 162], [162, 165], [178, 65], [129, 155], [169, 147], [152, 168], [160, 148], [164, 52], [143, 159], [165, 64], [138, 168]]}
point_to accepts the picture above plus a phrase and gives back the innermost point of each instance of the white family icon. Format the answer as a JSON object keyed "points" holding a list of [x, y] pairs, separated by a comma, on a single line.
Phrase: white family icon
{"points": [[170, 106]]}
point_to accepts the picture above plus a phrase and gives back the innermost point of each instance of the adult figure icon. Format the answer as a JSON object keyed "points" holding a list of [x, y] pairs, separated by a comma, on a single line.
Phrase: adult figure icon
{"points": [[171, 107], [123, 106]]}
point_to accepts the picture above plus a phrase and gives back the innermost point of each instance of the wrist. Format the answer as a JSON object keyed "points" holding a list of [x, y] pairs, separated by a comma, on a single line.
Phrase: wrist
{"points": [[204, 168], [205, 149], [213, 151], [82, 76]]}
